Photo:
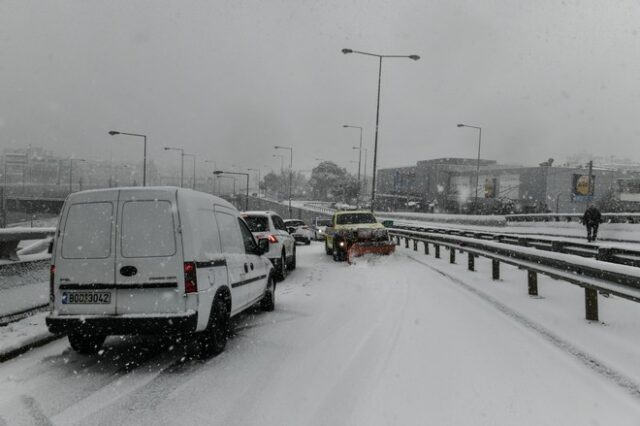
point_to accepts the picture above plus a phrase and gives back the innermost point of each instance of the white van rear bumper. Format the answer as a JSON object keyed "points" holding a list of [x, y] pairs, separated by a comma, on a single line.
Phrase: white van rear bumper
{"points": [[123, 324]]}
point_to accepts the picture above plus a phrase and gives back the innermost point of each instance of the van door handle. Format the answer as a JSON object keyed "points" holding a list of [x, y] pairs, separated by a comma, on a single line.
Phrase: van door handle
{"points": [[246, 268], [128, 271]]}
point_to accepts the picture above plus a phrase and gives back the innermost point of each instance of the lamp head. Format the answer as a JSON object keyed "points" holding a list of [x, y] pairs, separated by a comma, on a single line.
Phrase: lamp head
{"points": [[346, 51], [414, 57], [460, 125], [217, 172], [113, 132]]}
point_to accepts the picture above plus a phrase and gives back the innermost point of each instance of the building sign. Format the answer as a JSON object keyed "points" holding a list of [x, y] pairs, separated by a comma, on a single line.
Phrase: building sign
{"points": [[490, 187], [461, 186], [580, 190]]}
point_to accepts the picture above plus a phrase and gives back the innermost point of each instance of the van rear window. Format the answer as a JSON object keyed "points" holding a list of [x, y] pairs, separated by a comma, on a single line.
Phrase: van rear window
{"points": [[87, 231], [147, 229]]}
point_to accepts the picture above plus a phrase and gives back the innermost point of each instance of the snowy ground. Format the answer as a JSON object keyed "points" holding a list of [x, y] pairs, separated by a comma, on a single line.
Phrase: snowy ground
{"points": [[389, 341]]}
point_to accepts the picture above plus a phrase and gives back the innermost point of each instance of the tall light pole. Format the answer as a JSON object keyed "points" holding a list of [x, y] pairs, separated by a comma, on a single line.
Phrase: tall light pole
{"points": [[364, 170], [144, 159], [193, 183], [475, 207], [257, 170], [168, 148], [375, 145], [290, 172], [71, 160], [347, 126], [246, 198]]}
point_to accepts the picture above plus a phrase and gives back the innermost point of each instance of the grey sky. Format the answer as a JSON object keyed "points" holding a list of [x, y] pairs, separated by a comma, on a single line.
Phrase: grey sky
{"points": [[227, 80]]}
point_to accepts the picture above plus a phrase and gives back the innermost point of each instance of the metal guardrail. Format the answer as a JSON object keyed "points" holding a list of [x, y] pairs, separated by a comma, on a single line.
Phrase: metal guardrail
{"points": [[607, 253], [593, 275], [572, 217], [17, 274]]}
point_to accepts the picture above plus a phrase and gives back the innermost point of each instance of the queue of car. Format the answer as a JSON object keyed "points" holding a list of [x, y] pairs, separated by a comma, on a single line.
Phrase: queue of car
{"points": [[166, 261]]}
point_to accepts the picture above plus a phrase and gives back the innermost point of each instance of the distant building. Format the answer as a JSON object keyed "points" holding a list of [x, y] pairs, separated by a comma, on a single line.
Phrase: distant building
{"points": [[449, 184]]}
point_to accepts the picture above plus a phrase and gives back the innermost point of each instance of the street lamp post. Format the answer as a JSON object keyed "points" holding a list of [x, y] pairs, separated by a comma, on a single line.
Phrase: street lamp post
{"points": [[168, 148], [246, 199], [144, 160], [346, 126], [475, 207], [71, 160], [290, 172], [375, 145]]}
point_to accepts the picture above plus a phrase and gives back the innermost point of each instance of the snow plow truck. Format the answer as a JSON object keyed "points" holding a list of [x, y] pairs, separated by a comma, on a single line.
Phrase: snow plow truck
{"points": [[356, 233]]}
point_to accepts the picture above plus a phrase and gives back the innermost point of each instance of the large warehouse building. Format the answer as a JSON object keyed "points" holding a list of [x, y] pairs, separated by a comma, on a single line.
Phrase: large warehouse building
{"points": [[454, 184]]}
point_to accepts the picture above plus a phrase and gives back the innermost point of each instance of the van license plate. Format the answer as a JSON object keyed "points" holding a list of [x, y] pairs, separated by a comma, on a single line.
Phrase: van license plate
{"points": [[86, 298]]}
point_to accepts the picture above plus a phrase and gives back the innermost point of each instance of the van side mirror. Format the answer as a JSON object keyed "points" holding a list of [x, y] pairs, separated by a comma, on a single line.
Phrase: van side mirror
{"points": [[50, 248], [263, 246]]}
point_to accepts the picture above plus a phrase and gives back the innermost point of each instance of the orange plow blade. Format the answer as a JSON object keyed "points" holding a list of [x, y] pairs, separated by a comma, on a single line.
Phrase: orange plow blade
{"points": [[359, 249]]}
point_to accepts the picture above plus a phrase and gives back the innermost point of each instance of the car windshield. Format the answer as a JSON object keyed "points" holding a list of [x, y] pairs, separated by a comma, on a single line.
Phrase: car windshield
{"points": [[257, 223], [323, 222], [354, 218]]}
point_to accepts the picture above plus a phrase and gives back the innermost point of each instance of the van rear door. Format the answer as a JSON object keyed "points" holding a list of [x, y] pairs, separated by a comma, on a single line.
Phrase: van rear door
{"points": [[85, 255], [149, 267]]}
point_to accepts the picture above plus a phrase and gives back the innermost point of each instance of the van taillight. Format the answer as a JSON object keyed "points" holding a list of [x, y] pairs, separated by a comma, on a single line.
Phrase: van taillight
{"points": [[272, 238], [52, 275], [190, 278]]}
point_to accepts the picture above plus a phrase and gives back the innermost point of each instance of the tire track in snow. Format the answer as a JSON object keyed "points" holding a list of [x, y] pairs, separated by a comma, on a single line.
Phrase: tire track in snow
{"points": [[585, 358]]}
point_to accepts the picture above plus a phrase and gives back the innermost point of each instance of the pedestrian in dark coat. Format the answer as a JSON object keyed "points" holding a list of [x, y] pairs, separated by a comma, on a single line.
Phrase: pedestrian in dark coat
{"points": [[592, 219]]}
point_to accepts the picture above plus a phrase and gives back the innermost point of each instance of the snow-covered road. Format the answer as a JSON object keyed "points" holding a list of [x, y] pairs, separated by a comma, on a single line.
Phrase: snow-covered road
{"points": [[389, 341]]}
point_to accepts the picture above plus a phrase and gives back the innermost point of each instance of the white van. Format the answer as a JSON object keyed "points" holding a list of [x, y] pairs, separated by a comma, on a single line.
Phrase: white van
{"points": [[153, 260]]}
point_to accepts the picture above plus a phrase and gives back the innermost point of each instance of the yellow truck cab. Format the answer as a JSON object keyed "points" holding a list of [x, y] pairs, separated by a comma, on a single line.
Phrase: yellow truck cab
{"points": [[356, 232]]}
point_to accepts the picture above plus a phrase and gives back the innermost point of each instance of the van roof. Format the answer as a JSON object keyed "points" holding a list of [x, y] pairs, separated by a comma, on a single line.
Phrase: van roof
{"points": [[259, 212], [91, 193]]}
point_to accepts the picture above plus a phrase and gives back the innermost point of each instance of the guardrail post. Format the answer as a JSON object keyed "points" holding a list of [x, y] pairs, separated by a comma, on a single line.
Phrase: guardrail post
{"points": [[426, 247], [415, 245], [591, 303], [397, 240], [406, 242], [495, 269], [471, 262], [437, 247], [605, 254], [532, 278], [452, 255]]}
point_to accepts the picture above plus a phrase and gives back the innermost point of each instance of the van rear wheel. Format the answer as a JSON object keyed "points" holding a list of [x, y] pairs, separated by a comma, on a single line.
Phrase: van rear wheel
{"points": [[268, 302], [86, 343], [214, 338]]}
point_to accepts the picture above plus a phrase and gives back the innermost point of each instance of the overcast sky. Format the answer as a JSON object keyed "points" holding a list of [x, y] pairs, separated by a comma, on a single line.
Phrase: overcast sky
{"points": [[228, 80]]}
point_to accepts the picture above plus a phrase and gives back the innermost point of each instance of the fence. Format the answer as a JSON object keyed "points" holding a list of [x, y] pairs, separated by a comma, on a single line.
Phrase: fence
{"points": [[593, 275]]}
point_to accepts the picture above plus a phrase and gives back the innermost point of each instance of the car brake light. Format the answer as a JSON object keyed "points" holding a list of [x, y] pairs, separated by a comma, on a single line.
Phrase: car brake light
{"points": [[52, 275], [272, 238], [190, 278]]}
